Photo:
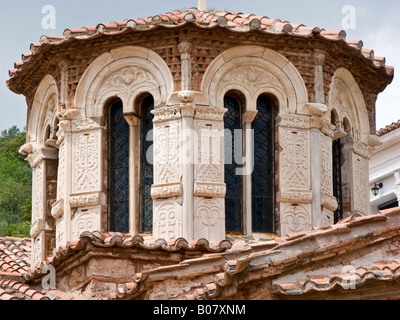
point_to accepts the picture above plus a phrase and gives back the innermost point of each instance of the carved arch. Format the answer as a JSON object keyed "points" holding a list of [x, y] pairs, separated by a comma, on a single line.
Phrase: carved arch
{"points": [[255, 70], [126, 73], [345, 97], [44, 112]]}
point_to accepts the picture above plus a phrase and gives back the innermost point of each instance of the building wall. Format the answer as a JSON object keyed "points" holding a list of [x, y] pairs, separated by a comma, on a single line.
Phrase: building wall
{"points": [[318, 100], [385, 169]]}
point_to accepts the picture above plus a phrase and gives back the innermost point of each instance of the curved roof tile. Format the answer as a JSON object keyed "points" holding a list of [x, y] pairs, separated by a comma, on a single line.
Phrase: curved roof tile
{"points": [[236, 22]]}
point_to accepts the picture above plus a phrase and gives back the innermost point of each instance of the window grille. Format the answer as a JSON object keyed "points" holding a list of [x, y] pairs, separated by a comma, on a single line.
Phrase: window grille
{"points": [[118, 173]]}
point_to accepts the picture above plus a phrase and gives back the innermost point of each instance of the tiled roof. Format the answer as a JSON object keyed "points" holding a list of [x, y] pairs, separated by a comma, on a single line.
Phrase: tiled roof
{"points": [[119, 240], [14, 256], [236, 22], [15, 290], [389, 128], [379, 271], [263, 257]]}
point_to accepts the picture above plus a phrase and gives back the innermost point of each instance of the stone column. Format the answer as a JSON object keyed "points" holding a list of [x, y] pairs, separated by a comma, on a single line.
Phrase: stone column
{"points": [[359, 155], [209, 187], [295, 196], [133, 121], [248, 118], [87, 200], [166, 191], [44, 164]]}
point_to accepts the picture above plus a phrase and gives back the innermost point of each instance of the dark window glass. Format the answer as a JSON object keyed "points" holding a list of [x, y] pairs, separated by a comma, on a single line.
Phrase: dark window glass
{"points": [[118, 155], [233, 198], [146, 219], [263, 173], [389, 204], [337, 178]]}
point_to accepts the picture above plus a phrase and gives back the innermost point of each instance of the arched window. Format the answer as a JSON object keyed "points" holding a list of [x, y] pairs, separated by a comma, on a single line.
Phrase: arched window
{"points": [[118, 169], [146, 208], [234, 183], [262, 197], [337, 171]]}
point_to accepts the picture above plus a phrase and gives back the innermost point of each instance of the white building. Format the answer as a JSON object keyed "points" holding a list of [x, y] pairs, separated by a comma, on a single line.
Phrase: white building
{"points": [[385, 169]]}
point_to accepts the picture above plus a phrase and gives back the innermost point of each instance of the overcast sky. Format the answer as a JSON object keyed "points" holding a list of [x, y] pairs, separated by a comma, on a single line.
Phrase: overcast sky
{"points": [[21, 24]]}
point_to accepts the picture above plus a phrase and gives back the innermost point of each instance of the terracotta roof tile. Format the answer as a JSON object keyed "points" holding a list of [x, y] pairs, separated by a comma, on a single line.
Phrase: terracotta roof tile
{"points": [[389, 128], [236, 22], [14, 255], [379, 271]]}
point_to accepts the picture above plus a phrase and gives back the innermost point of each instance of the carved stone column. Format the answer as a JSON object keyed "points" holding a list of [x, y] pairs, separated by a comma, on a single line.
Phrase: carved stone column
{"points": [[133, 121], [357, 155], [44, 163], [209, 186], [295, 196], [166, 191], [87, 200]]}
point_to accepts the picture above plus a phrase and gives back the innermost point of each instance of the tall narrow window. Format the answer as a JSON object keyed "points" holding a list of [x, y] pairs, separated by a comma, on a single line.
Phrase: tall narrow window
{"points": [[337, 178], [262, 187], [118, 161], [233, 198], [146, 218]]}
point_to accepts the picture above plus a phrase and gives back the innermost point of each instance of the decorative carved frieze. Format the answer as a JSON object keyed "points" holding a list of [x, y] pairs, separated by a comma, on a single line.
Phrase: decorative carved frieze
{"points": [[168, 190], [166, 114], [293, 121], [85, 200], [209, 113], [295, 196], [209, 189], [84, 125]]}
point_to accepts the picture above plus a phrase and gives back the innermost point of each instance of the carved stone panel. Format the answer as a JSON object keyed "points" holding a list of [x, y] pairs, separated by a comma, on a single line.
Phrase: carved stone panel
{"points": [[167, 149], [61, 172], [360, 184], [209, 219], [167, 220], [85, 219], [295, 218], [326, 165], [294, 159], [86, 162], [60, 232], [38, 191], [38, 250], [209, 165]]}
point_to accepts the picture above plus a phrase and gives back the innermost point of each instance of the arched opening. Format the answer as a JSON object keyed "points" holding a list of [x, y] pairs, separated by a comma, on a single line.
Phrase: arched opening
{"points": [[146, 164], [263, 180], [337, 170], [233, 102], [118, 168]]}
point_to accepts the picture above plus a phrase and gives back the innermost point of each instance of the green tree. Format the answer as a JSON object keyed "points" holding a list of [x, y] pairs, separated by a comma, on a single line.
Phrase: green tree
{"points": [[15, 185]]}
